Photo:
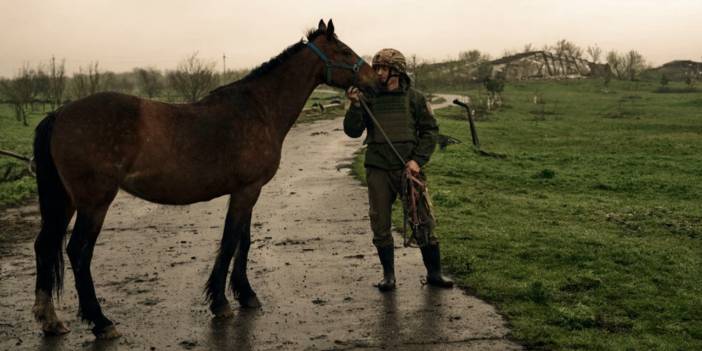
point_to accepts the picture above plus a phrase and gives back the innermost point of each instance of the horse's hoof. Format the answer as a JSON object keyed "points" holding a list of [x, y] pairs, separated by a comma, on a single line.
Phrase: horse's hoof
{"points": [[250, 302], [45, 314], [54, 328], [108, 333], [223, 312]]}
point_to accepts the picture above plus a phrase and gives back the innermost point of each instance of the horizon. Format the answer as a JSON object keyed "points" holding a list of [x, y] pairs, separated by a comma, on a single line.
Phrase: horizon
{"points": [[146, 35]]}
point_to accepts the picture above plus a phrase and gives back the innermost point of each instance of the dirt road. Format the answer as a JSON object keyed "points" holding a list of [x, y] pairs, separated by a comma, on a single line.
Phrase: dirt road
{"points": [[312, 264], [448, 100]]}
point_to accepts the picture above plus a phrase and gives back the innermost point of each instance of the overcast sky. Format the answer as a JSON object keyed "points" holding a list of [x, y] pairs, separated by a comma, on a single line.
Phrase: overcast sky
{"points": [[129, 33]]}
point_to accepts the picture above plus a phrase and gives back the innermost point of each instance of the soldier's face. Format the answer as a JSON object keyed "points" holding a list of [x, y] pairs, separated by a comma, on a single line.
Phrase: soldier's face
{"points": [[383, 73]]}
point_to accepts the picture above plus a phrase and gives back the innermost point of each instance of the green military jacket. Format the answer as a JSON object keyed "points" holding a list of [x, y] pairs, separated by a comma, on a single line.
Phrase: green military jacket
{"points": [[407, 119]]}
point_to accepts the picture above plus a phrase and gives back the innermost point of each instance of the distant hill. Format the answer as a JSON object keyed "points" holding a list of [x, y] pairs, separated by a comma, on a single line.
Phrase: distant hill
{"points": [[676, 70]]}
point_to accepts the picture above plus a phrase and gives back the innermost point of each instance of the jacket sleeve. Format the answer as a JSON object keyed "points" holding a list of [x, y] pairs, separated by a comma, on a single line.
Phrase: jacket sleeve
{"points": [[427, 130], [354, 121]]}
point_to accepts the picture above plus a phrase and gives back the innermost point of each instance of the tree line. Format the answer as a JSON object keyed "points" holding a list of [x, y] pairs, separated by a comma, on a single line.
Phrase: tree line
{"points": [[48, 84]]}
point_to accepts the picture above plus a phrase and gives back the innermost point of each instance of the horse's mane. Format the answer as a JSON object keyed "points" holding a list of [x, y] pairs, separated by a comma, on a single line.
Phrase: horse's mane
{"points": [[273, 62]]}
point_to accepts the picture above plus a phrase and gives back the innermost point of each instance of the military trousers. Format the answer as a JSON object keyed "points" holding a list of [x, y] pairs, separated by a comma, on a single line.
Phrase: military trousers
{"points": [[384, 186]]}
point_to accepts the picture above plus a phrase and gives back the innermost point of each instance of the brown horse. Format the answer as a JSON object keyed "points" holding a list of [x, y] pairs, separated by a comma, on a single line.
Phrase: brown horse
{"points": [[227, 143]]}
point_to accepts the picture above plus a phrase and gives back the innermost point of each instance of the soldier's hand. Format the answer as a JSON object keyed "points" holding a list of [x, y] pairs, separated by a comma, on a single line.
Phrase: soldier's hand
{"points": [[354, 95], [413, 167]]}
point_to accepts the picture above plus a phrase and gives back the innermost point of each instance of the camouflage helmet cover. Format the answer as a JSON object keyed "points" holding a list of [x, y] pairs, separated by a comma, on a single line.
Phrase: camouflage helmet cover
{"points": [[391, 58]]}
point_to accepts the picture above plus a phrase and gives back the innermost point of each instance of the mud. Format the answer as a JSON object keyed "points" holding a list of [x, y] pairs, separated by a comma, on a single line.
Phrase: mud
{"points": [[18, 224], [312, 264]]}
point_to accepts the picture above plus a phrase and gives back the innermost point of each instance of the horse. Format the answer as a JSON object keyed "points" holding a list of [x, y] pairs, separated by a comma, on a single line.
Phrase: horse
{"points": [[227, 143]]}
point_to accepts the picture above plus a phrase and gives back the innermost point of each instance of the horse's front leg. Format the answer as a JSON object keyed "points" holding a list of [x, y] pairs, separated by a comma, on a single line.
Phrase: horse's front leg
{"points": [[214, 290], [236, 230], [244, 202], [239, 281]]}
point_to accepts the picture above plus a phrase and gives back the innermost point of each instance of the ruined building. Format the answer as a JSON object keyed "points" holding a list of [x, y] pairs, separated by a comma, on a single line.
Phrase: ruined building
{"points": [[545, 65]]}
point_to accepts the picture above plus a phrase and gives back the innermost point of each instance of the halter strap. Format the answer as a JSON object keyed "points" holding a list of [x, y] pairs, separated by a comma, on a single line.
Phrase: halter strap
{"points": [[329, 64]]}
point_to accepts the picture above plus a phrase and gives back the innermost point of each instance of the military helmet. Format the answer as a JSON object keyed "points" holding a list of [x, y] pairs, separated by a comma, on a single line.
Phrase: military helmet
{"points": [[391, 58]]}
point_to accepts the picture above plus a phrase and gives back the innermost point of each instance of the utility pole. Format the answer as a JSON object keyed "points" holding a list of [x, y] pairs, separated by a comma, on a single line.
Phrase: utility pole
{"points": [[414, 68], [224, 63]]}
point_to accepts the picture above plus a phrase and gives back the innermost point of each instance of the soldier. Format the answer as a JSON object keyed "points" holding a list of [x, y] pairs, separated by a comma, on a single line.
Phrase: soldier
{"points": [[407, 119]]}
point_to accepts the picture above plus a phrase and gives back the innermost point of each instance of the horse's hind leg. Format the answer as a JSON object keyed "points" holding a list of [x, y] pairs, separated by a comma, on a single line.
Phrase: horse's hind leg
{"points": [[49, 260], [80, 252]]}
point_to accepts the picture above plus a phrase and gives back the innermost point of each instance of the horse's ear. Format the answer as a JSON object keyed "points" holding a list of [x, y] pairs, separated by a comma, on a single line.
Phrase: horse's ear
{"points": [[322, 26], [330, 27]]}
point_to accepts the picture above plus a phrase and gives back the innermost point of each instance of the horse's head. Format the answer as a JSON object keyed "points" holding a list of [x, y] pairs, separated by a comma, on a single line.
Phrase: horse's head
{"points": [[343, 67]]}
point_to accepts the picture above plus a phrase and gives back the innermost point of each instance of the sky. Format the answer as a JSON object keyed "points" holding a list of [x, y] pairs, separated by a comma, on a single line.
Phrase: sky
{"points": [[124, 34]]}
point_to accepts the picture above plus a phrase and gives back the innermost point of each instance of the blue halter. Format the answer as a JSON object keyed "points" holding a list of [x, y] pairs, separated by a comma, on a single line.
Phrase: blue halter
{"points": [[329, 64]]}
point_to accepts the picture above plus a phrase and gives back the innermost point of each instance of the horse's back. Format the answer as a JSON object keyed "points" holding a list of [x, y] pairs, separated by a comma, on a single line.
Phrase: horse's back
{"points": [[94, 142], [165, 153]]}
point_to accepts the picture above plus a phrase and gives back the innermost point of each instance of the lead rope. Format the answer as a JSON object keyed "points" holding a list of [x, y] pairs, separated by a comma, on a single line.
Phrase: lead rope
{"points": [[382, 131], [412, 189]]}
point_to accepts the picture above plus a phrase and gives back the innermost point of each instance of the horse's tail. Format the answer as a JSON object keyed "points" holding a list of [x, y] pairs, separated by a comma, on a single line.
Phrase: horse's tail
{"points": [[53, 204]]}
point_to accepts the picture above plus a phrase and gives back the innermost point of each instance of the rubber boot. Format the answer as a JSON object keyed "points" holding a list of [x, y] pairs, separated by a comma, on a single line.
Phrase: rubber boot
{"points": [[432, 260], [387, 259]]}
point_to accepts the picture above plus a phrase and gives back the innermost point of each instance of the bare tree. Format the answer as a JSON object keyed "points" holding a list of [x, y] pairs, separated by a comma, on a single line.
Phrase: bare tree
{"points": [[19, 92], [617, 64], [57, 83], [79, 85], [529, 47], [566, 48], [595, 52], [86, 81], [634, 64], [193, 78], [470, 56], [40, 87], [413, 68], [149, 81], [93, 78], [119, 82]]}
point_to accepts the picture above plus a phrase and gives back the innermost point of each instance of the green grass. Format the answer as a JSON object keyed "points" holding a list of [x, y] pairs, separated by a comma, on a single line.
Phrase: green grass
{"points": [[587, 235], [16, 137]]}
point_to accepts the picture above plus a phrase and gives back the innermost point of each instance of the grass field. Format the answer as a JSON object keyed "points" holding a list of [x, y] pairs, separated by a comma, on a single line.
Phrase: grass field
{"points": [[16, 137], [587, 235]]}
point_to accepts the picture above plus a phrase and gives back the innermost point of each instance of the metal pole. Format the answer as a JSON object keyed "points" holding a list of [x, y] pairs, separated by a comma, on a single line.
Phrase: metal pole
{"points": [[471, 122]]}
